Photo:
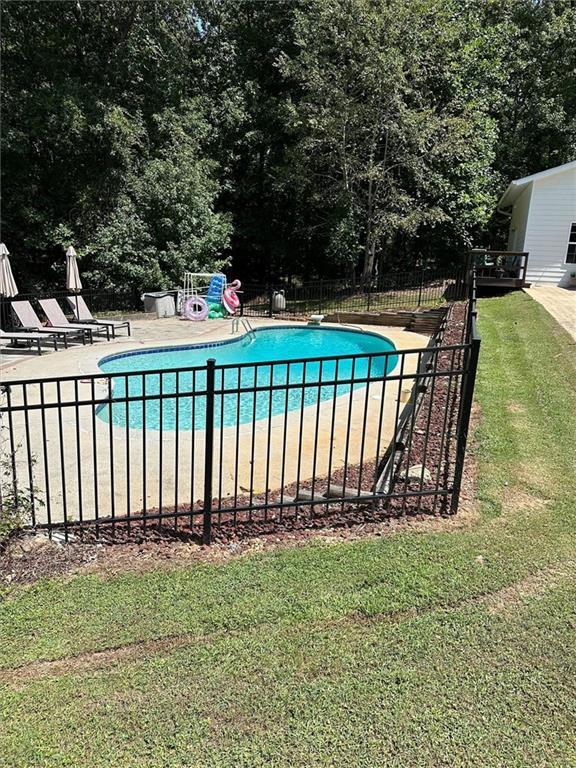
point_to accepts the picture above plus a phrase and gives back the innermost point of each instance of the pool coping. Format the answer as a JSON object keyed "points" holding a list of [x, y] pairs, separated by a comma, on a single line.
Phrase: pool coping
{"points": [[236, 339]]}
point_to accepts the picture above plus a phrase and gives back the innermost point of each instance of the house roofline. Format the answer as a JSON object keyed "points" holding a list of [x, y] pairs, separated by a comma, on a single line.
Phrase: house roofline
{"points": [[516, 187]]}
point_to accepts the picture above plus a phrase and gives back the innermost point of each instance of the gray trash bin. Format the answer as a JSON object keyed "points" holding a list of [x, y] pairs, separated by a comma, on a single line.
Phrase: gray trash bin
{"points": [[160, 302]]}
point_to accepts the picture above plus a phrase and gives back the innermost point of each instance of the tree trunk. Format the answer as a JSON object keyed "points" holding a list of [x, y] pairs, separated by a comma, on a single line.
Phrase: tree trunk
{"points": [[369, 245], [369, 258]]}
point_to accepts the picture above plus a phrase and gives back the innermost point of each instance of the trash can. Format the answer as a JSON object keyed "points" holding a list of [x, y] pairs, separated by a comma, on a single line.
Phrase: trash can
{"points": [[163, 303]]}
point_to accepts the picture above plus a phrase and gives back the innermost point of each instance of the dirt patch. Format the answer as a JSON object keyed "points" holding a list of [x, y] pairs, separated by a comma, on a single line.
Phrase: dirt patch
{"points": [[516, 499], [534, 586], [541, 475], [28, 558], [57, 560], [92, 661], [515, 408]]}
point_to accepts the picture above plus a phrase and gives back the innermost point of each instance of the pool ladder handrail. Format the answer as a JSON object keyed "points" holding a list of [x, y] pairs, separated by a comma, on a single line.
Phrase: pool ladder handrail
{"points": [[351, 325], [236, 321]]}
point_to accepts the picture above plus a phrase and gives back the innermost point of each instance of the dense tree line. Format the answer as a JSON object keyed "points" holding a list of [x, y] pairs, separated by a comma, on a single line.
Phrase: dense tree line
{"points": [[305, 138]]}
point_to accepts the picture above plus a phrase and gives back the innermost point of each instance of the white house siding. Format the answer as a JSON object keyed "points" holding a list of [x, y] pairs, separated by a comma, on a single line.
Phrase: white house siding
{"points": [[519, 220], [552, 210]]}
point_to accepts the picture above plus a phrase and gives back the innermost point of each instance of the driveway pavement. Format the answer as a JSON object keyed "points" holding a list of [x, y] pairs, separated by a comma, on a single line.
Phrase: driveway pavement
{"points": [[559, 302]]}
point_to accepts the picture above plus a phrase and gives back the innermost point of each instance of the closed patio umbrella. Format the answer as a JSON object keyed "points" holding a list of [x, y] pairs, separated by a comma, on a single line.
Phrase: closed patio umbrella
{"points": [[73, 282], [8, 287], [7, 283]]}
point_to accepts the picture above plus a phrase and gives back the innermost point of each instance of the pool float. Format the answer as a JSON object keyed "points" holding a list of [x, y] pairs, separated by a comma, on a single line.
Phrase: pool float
{"points": [[216, 311], [215, 289], [195, 308], [230, 298]]}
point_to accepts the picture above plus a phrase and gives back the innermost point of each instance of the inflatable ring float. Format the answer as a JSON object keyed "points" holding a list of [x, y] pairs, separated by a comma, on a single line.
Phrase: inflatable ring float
{"points": [[195, 308], [230, 298]]}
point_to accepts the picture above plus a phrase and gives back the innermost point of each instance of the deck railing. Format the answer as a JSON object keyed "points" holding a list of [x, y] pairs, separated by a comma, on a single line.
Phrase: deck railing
{"points": [[505, 268]]}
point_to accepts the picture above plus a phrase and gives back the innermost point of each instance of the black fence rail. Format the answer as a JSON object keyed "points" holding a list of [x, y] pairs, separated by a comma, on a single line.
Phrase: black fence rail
{"points": [[100, 301], [222, 449], [405, 290], [399, 290]]}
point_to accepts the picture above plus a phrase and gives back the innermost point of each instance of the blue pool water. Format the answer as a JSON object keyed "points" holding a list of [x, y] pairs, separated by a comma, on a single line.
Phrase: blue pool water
{"points": [[256, 354]]}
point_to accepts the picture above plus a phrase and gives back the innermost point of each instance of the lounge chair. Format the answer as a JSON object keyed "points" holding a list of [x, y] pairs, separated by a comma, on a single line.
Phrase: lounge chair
{"points": [[31, 322], [56, 316], [30, 338], [83, 315]]}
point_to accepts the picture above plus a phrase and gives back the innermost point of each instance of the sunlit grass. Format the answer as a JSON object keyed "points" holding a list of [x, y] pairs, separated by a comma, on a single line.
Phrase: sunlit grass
{"points": [[384, 652]]}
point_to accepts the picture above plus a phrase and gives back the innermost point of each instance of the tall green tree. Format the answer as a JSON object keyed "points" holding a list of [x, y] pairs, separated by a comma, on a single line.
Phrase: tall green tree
{"points": [[249, 93], [103, 142], [302, 138], [385, 118], [537, 108]]}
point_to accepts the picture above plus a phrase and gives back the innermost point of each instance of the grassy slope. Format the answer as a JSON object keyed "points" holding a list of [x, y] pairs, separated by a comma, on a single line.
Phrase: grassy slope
{"points": [[367, 654]]}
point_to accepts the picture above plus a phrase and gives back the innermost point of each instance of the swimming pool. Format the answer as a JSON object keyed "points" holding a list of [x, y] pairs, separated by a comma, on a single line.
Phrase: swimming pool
{"points": [[248, 362]]}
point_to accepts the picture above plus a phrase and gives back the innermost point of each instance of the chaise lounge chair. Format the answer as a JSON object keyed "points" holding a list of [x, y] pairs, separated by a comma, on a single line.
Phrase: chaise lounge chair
{"points": [[30, 338], [83, 315], [31, 322], [56, 316]]}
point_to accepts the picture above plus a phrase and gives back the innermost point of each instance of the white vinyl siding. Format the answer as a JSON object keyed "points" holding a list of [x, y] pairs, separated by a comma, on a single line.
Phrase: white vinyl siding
{"points": [[552, 212], [519, 220]]}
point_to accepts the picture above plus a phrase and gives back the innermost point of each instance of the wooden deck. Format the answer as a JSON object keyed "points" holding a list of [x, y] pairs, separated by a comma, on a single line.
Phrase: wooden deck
{"points": [[501, 269]]}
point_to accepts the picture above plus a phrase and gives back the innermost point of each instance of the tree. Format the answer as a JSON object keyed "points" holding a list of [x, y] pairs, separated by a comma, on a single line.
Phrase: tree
{"points": [[384, 119], [104, 143], [537, 110], [303, 139]]}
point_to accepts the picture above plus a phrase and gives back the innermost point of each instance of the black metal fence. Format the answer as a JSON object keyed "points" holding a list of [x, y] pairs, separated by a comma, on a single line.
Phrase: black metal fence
{"points": [[100, 301], [400, 290], [223, 449]]}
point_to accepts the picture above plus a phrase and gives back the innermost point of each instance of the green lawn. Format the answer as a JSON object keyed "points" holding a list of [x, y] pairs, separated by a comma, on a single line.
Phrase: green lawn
{"points": [[453, 648]]}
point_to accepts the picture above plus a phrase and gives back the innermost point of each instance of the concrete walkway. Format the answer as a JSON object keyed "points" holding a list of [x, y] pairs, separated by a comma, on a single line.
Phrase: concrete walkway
{"points": [[559, 302]]}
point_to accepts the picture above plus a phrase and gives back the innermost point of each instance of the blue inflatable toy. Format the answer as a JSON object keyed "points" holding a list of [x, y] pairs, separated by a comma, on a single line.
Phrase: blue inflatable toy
{"points": [[216, 289]]}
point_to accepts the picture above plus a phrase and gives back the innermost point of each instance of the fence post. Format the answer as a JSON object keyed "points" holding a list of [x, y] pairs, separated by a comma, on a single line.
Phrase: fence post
{"points": [[467, 395], [208, 452], [420, 286], [270, 302], [6, 388]]}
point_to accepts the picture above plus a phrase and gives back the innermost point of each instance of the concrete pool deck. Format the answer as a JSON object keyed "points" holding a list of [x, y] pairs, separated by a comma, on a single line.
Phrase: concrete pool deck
{"points": [[81, 460], [80, 360]]}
